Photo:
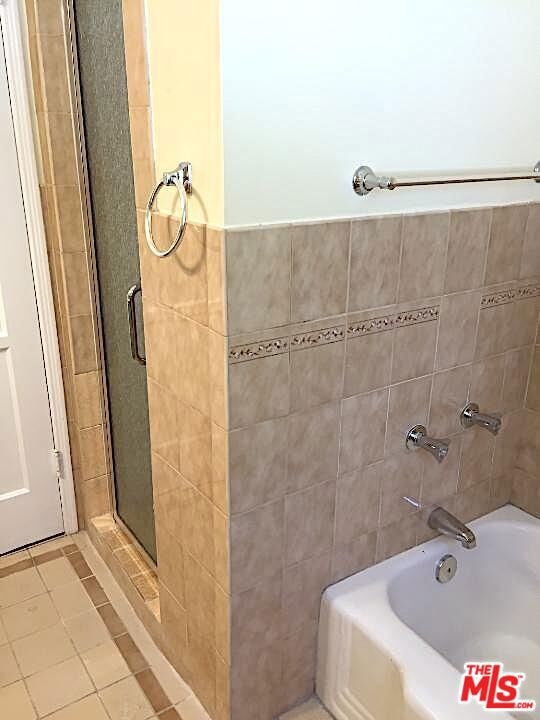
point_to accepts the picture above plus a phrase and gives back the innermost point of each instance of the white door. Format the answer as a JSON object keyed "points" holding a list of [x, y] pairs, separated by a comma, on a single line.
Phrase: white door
{"points": [[30, 505]]}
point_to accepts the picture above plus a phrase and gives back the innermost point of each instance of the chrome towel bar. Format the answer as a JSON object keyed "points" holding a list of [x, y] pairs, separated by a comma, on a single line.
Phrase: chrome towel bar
{"points": [[181, 177], [365, 180]]}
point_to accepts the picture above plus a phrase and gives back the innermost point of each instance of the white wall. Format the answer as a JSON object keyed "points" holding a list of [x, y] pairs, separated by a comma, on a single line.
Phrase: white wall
{"points": [[312, 88]]}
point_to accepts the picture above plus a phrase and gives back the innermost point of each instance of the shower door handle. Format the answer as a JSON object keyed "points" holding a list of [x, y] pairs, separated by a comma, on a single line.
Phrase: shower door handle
{"points": [[132, 323]]}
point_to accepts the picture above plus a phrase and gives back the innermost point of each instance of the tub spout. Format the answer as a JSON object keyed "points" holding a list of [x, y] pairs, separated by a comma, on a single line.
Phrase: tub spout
{"points": [[444, 522]]}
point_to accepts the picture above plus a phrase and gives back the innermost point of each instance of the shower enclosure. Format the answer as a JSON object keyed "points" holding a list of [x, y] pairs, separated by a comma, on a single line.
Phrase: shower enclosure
{"points": [[98, 49]]}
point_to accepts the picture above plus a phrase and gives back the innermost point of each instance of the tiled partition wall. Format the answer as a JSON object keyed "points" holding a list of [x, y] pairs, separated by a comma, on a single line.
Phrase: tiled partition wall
{"points": [[341, 337], [69, 252]]}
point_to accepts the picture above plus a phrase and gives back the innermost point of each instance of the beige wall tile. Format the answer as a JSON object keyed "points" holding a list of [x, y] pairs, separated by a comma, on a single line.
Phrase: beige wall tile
{"points": [[313, 446], [83, 344], [257, 539], [258, 464], [96, 496], [49, 17], [457, 329], [62, 149], [516, 376], [425, 239], [320, 257], [353, 557], [193, 379], [414, 351], [75, 273], [215, 264], [93, 460], [401, 475], [168, 506], [524, 322], [135, 50], [303, 585], [164, 412], [70, 219], [195, 430], [368, 363], [309, 522], [526, 492], [257, 616], [174, 623], [299, 662], [88, 396], [56, 89], [200, 594], [357, 503], [258, 390], [161, 328], [396, 537], [533, 391], [530, 258], [316, 375], [473, 502], [202, 665], [358, 447], [448, 398], [375, 258], [467, 246], [494, 327], [408, 406], [487, 383], [505, 243], [171, 563], [198, 526], [476, 457], [258, 278]]}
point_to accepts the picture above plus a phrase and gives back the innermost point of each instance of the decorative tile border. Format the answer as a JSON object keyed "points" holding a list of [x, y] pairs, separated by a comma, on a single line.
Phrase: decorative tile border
{"points": [[505, 296], [389, 322], [337, 333], [255, 350]]}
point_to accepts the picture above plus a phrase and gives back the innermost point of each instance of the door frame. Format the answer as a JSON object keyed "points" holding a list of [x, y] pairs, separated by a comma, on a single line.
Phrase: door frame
{"points": [[21, 109]]}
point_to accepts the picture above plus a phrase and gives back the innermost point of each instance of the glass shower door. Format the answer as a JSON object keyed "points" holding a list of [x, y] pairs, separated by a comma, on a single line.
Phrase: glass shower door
{"points": [[103, 88]]}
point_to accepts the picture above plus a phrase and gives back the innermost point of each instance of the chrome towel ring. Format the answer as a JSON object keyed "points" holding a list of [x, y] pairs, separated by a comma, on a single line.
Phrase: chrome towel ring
{"points": [[181, 178]]}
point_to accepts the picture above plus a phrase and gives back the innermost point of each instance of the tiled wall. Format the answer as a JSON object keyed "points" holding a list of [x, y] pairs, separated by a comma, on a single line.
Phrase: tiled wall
{"points": [[342, 337], [69, 253], [186, 354]]}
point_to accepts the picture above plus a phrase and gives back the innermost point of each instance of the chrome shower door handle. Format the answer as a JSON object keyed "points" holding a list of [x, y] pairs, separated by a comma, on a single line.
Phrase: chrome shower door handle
{"points": [[132, 323]]}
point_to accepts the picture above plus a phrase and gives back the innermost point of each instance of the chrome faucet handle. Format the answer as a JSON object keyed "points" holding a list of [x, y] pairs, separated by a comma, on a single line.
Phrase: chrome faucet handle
{"points": [[471, 415], [418, 437]]}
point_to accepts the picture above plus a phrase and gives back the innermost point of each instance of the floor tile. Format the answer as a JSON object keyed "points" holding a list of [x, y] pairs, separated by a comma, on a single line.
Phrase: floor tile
{"points": [[49, 545], [191, 709], [59, 686], [111, 619], [105, 664], [43, 649], [95, 591], [87, 630], [89, 708], [57, 572], [71, 599], [151, 687], [15, 703], [29, 616], [79, 564], [20, 586], [12, 558], [9, 672], [131, 653], [3, 636], [310, 710], [16, 567], [44, 557], [125, 699]]}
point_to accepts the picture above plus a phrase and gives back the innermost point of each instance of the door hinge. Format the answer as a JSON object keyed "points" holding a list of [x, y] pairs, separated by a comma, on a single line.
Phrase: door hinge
{"points": [[58, 464]]}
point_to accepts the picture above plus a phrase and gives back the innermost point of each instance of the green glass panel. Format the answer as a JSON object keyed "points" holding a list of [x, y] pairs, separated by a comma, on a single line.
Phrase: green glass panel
{"points": [[100, 44]]}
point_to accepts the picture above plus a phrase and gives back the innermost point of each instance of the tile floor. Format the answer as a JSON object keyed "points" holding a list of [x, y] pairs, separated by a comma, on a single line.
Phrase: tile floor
{"points": [[68, 653], [71, 647]]}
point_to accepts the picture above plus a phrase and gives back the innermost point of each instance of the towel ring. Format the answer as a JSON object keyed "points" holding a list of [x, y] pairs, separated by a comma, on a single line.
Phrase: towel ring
{"points": [[181, 178]]}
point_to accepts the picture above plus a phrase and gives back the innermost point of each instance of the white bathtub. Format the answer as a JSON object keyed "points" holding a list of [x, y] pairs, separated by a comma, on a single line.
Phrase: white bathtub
{"points": [[393, 640]]}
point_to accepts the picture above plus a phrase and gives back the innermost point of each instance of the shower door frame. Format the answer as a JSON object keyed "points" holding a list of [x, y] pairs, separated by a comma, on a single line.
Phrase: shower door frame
{"points": [[89, 231], [21, 112]]}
